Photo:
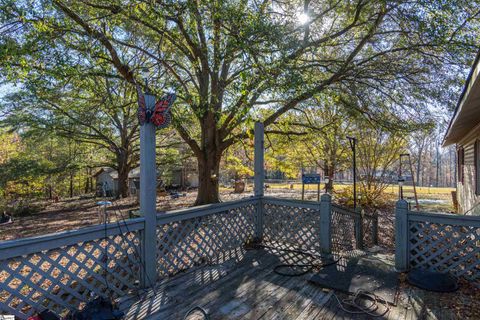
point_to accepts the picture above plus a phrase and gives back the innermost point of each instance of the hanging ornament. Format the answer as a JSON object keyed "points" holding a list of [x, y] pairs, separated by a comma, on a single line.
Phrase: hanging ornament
{"points": [[160, 116]]}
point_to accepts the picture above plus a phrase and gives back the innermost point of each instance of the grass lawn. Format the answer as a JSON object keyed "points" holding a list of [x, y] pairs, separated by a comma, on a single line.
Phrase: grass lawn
{"points": [[430, 198], [393, 188]]}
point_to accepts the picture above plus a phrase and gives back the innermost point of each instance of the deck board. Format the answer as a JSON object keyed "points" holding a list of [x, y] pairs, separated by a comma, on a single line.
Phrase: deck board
{"points": [[246, 290]]}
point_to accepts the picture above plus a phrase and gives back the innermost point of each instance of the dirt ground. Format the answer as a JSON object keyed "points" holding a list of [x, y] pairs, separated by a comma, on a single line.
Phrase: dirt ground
{"points": [[461, 304], [75, 213]]}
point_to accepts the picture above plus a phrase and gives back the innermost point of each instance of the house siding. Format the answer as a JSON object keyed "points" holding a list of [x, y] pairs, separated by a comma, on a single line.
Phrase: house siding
{"points": [[467, 199]]}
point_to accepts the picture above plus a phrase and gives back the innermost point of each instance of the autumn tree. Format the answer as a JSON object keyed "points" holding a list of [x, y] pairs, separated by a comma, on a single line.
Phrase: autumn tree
{"points": [[378, 153], [94, 110], [41, 164]]}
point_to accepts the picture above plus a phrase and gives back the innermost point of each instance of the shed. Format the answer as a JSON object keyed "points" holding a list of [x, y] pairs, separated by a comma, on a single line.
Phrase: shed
{"points": [[106, 178]]}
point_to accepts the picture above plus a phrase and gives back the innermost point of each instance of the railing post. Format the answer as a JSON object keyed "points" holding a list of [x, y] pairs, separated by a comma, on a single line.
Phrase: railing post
{"points": [[401, 236], [259, 169], [359, 227], [148, 198], [325, 223], [259, 221], [259, 178]]}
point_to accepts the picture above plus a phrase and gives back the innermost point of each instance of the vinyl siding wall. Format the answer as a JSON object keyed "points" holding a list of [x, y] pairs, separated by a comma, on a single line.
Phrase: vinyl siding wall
{"points": [[466, 195]]}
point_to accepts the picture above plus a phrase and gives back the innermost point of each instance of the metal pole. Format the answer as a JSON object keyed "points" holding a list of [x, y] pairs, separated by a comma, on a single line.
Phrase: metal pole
{"points": [[353, 143], [303, 185], [354, 173], [438, 166], [318, 192]]}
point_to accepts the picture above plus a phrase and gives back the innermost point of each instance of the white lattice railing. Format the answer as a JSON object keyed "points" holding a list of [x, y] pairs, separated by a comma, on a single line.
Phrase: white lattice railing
{"points": [[353, 229], [61, 271], [439, 242], [292, 222], [445, 243], [344, 228], [206, 234]]}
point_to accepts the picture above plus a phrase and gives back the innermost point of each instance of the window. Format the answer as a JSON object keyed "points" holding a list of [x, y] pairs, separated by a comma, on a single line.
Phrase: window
{"points": [[460, 163]]}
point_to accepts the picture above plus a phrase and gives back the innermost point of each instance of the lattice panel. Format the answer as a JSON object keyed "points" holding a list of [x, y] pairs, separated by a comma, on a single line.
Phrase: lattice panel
{"points": [[343, 229], [208, 239], [445, 248], [64, 278], [292, 225]]}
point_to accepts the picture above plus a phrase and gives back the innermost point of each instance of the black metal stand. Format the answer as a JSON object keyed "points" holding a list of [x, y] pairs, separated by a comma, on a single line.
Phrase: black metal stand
{"points": [[353, 144]]}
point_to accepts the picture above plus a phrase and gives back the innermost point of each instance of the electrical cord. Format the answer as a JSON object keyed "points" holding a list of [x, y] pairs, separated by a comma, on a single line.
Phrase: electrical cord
{"points": [[352, 306], [137, 254], [308, 267], [197, 308], [348, 305]]}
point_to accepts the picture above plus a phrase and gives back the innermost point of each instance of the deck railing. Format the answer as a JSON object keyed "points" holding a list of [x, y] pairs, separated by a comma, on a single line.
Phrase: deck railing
{"points": [[62, 271], [292, 222], [438, 242], [207, 234]]}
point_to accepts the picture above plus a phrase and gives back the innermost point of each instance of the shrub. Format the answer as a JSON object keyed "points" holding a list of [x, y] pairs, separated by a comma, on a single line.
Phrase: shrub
{"points": [[373, 199]]}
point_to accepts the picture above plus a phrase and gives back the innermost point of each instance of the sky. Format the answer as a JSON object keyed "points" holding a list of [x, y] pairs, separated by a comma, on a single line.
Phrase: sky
{"points": [[6, 89]]}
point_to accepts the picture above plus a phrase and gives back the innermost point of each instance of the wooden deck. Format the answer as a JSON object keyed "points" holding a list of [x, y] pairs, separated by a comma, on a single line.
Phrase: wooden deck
{"points": [[245, 287]]}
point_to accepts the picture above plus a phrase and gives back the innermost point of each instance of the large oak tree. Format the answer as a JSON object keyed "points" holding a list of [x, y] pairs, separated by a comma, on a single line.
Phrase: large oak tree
{"points": [[227, 59]]}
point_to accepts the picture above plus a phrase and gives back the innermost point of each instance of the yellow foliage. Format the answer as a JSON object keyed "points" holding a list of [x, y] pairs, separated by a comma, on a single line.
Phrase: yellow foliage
{"points": [[10, 146], [236, 167]]}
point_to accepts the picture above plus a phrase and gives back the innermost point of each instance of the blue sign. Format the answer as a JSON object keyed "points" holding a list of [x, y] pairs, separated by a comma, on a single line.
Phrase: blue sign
{"points": [[311, 178]]}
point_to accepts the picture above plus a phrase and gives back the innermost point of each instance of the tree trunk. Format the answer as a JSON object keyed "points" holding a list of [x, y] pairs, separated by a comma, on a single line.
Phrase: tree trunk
{"points": [[123, 169], [183, 176], [71, 184], [208, 170], [123, 183], [88, 181], [329, 173], [419, 166], [421, 147], [437, 167], [208, 157]]}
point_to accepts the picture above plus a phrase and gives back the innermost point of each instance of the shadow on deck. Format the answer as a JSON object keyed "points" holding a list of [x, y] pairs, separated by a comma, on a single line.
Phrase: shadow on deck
{"points": [[247, 289]]}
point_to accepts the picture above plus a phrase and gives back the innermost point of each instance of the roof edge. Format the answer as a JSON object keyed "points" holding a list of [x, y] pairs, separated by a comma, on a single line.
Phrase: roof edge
{"points": [[463, 95]]}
